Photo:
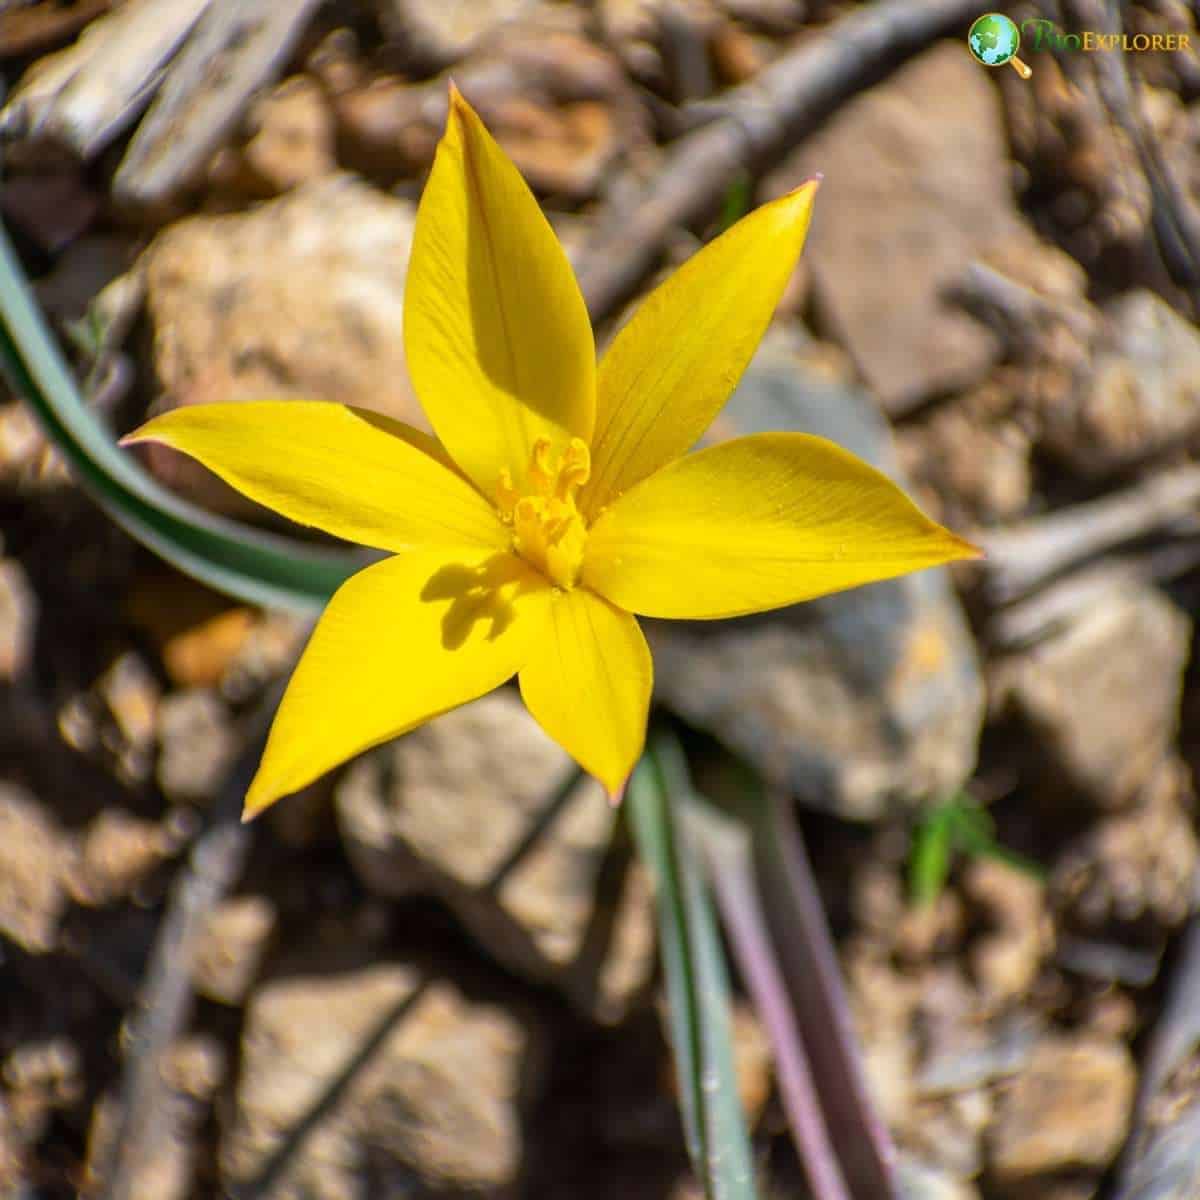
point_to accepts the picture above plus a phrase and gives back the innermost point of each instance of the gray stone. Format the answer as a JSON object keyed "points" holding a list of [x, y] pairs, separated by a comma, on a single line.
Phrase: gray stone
{"points": [[456, 809], [854, 700], [433, 1111]]}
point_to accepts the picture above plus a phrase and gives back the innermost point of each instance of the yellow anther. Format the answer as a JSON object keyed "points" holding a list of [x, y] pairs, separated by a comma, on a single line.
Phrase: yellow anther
{"points": [[548, 530]]}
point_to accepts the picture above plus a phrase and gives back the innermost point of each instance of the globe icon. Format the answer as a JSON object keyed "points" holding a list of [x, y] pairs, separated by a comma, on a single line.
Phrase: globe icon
{"points": [[994, 40]]}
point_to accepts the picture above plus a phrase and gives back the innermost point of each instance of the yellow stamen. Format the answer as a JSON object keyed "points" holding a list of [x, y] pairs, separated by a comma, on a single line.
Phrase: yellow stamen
{"points": [[548, 530]]}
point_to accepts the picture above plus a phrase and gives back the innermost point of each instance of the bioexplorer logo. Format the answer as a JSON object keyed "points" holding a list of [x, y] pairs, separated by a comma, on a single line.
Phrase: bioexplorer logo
{"points": [[994, 40]]}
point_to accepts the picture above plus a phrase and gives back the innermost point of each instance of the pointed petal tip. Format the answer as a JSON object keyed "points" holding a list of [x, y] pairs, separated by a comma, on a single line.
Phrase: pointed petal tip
{"points": [[138, 435], [962, 549], [616, 795]]}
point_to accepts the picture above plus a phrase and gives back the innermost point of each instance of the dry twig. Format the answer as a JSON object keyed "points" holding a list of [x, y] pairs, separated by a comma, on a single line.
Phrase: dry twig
{"points": [[762, 119]]}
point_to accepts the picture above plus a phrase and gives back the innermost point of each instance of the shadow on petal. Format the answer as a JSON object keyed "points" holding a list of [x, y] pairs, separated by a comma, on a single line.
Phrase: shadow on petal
{"points": [[486, 592]]}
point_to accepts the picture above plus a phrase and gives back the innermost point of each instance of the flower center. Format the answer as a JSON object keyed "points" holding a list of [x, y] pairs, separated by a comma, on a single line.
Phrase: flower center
{"points": [[548, 530]]}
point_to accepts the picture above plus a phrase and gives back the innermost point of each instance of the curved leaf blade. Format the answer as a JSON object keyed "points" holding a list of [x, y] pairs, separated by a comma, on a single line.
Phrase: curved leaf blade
{"points": [[697, 989], [252, 565]]}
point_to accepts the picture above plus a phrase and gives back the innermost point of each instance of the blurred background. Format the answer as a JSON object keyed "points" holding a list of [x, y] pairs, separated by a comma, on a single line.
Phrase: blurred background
{"points": [[435, 974]]}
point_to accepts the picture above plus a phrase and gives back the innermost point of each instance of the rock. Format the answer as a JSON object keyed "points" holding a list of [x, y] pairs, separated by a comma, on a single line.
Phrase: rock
{"points": [[231, 948], [13, 1181], [456, 808], [558, 104], [752, 1061], [235, 316], [198, 744], [1006, 956], [1069, 1109], [117, 851], [969, 465], [920, 1181], [1133, 870], [946, 1130], [434, 1111], [1073, 691], [32, 859], [1142, 393], [566, 151], [131, 695], [39, 1078], [910, 212], [852, 701], [440, 34], [18, 621], [292, 136]]}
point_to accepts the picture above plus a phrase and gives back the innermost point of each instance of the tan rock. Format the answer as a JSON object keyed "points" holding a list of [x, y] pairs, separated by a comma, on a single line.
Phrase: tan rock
{"points": [[293, 135], [197, 744], [18, 620], [435, 1105], [1068, 1109], [445, 32], [456, 808], [1007, 954], [117, 851], [916, 185], [231, 948], [32, 860], [301, 297]]}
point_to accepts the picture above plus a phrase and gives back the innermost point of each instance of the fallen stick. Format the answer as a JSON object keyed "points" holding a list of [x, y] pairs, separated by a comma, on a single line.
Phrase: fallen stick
{"points": [[213, 867], [236, 48], [1025, 557], [82, 97], [762, 118]]}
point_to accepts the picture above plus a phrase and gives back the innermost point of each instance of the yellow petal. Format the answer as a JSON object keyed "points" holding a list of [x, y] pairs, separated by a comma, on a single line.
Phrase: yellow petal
{"points": [[350, 472], [757, 523], [496, 334], [588, 681], [400, 642], [674, 364]]}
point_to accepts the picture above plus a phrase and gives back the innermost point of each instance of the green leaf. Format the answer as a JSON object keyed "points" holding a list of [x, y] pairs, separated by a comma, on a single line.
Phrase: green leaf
{"points": [[245, 562], [697, 984], [960, 826], [929, 860]]}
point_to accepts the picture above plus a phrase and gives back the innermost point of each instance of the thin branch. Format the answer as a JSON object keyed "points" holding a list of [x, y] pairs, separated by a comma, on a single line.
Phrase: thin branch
{"points": [[213, 867], [763, 118], [1025, 557]]}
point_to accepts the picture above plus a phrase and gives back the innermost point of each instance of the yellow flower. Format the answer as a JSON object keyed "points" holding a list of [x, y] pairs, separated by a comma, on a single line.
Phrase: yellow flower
{"points": [[557, 499]]}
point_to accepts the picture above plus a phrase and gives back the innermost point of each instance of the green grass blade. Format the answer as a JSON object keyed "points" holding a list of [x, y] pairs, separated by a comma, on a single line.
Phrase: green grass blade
{"points": [[255, 566], [697, 990]]}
